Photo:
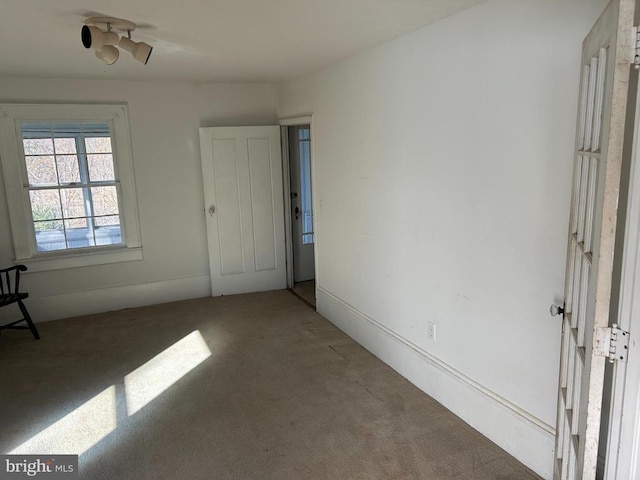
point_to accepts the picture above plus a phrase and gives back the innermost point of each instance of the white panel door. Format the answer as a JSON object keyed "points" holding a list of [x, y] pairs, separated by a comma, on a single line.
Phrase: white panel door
{"points": [[242, 175], [623, 442], [606, 60]]}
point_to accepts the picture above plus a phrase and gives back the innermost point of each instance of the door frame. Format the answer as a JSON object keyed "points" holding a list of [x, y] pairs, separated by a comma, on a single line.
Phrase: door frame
{"points": [[286, 181]]}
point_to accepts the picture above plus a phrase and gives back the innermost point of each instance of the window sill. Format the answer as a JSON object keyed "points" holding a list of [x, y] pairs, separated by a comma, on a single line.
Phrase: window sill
{"points": [[62, 260]]}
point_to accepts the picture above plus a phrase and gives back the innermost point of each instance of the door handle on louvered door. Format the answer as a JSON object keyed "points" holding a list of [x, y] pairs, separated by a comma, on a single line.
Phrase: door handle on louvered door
{"points": [[556, 310]]}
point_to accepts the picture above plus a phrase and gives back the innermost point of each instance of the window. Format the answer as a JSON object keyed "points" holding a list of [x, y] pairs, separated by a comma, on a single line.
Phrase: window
{"points": [[304, 144], [72, 185], [69, 182]]}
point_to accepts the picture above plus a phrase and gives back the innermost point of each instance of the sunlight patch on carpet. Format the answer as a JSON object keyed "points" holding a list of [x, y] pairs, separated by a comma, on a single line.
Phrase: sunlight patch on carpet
{"points": [[158, 374], [78, 431]]}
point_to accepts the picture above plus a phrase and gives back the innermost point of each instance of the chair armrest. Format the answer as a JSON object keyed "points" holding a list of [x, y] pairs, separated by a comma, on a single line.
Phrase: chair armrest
{"points": [[5, 278]]}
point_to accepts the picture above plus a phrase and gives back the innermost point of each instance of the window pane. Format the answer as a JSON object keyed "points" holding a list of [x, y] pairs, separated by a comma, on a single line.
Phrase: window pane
{"points": [[45, 208], [38, 146], [41, 171], [100, 168], [303, 134], [78, 233], [65, 146], [73, 202], [98, 144], [108, 235], [105, 201], [48, 225], [45, 204], [49, 236], [68, 171], [76, 223], [107, 221], [108, 230]]}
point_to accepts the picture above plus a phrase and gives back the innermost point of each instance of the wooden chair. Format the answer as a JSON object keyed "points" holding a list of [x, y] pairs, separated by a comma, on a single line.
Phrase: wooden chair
{"points": [[9, 276]]}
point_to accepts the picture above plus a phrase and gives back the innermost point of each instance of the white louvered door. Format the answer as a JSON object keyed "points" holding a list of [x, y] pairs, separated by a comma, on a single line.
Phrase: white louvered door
{"points": [[606, 60]]}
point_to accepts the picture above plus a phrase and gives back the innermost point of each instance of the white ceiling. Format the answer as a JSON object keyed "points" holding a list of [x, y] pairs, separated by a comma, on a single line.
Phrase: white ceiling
{"points": [[208, 40]]}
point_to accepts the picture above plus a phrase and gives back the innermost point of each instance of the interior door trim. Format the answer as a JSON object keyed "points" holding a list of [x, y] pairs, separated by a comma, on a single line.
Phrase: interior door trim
{"points": [[286, 185]]}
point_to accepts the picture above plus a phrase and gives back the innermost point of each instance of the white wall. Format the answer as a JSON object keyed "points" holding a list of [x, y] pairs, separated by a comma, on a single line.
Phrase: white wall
{"points": [[442, 173], [164, 120]]}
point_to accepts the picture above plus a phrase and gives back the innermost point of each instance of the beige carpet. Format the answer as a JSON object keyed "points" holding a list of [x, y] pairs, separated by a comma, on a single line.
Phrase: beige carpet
{"points": [[306, 291], [240, 387]]}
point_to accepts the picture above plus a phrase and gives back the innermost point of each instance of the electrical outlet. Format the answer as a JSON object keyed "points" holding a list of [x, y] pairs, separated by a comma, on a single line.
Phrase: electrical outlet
{"points": [[431, 331]]}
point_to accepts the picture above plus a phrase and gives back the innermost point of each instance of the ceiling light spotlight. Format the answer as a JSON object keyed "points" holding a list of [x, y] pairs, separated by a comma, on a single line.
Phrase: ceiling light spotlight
{"points": [[141, 51], [101, 34], [108, 54], [93, 37]]}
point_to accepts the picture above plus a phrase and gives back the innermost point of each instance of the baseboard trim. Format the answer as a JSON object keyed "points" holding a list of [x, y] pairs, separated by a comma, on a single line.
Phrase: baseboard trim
{"points": [[106, 299], [520, 433]]}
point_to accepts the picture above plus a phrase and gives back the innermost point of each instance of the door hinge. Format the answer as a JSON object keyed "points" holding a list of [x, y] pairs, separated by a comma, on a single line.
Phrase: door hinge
{"points": [[635, 45], [611, 342]]}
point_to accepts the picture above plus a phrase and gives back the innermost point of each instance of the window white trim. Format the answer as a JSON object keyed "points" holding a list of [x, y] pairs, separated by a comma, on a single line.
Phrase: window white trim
{"points": [[72, 258], [15, 180]]}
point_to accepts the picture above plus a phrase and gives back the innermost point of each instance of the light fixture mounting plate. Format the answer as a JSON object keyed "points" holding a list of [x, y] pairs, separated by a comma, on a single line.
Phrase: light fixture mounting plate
{"points": [[117, 24]]}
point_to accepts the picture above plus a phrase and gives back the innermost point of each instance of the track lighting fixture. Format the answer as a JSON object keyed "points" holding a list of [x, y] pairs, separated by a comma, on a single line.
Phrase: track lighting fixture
{"points": [[98, 33], [108, 54], [140, 50]]}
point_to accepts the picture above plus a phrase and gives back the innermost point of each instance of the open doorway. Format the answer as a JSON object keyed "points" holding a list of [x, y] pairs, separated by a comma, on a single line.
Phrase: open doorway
{"points": [[302, 255]]}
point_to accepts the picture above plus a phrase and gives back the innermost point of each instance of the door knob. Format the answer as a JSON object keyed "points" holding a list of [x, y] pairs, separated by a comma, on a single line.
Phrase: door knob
{"points": [[297, 211], [556, 310], [212, 209]]}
